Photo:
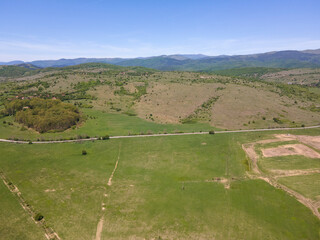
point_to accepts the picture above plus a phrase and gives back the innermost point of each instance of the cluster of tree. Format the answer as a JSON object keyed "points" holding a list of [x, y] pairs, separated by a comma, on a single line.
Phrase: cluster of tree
{"points": [[43, 114]]}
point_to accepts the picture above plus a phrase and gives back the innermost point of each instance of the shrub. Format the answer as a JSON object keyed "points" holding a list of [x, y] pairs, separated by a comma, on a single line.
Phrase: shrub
{"points": [[277, 120], [211, 132], [106, 137], [30, 142], [38, 217], [84, 152], [302, 125]]}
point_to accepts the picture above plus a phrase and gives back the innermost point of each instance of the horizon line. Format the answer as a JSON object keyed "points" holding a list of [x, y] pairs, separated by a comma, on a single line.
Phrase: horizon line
{"points": [[166, 55]]}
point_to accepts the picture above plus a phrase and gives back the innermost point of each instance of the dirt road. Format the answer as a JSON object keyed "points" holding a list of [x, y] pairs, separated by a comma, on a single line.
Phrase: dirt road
{"points": [[160, 135]]}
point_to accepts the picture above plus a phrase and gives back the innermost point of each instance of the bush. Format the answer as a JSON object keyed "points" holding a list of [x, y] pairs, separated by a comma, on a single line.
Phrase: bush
{"points": [[106, 137], [211, 132], [302, 125], [38, 217], [84, 152], [30, 142], [277, 120]]}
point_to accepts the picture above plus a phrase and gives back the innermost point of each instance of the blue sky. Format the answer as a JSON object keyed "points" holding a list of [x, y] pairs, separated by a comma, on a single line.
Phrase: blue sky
{"points": [[54, 29]]}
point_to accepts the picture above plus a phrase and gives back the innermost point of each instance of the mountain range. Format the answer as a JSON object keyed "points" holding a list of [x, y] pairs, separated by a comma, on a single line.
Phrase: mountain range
{"points": [[194, 62]]}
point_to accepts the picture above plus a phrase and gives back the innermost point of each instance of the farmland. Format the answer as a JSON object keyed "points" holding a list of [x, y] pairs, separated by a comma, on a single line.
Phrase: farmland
{"points": [[163, 187]]}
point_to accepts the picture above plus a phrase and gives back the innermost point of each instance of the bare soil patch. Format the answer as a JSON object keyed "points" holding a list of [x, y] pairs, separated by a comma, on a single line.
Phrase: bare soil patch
{"points": [[99, 229], [290, 149], [285, 137], [313, 141], [291, 173], [50, 190], [249, 150]]}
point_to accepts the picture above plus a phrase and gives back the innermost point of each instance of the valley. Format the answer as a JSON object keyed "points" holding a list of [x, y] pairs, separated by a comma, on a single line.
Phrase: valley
{"points": [[141, 164]]}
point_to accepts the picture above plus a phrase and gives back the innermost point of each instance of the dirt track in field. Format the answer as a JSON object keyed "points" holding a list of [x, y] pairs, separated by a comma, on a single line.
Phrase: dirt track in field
{"points": [[49, 233], [291, 173], [280, 136], [99, 229], [103, 204]]}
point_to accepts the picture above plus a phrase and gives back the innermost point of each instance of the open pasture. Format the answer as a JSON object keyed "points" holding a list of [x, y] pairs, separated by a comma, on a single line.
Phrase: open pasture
{"points": [[174, 187]]}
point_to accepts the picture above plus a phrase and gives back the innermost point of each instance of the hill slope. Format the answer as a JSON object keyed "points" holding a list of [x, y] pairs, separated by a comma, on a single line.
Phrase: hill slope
{"points": [[179, 98]]}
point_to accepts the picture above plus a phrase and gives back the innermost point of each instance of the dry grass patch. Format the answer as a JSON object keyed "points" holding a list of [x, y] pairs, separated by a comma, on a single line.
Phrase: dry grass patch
{"points": [[290, 149], [170, 102], [296, 76], [249, 107], [313, 141], [108, 101]]}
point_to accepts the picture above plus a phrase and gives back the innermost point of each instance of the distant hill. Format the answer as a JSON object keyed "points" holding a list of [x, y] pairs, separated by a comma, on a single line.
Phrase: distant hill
{"points": [[24, 70], [28, 66], [316, 51], [199, 62], [11, 63], [70, 62], [9, 71], [282, 59]]}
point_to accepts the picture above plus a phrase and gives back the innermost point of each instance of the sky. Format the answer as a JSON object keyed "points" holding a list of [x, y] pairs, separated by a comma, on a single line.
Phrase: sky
{"points": [[43, 29]]}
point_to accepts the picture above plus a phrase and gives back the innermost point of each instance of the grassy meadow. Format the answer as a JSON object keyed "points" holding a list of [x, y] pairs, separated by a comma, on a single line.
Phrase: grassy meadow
{"points": [[15, 222], [160, 189], [101, 123], [306, 185]]}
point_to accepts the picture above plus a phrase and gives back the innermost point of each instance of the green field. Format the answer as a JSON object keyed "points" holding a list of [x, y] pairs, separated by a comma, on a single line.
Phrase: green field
{"points": [[15, 223], [99, 124], [307, 185], [159, 190], [289, 162]]}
